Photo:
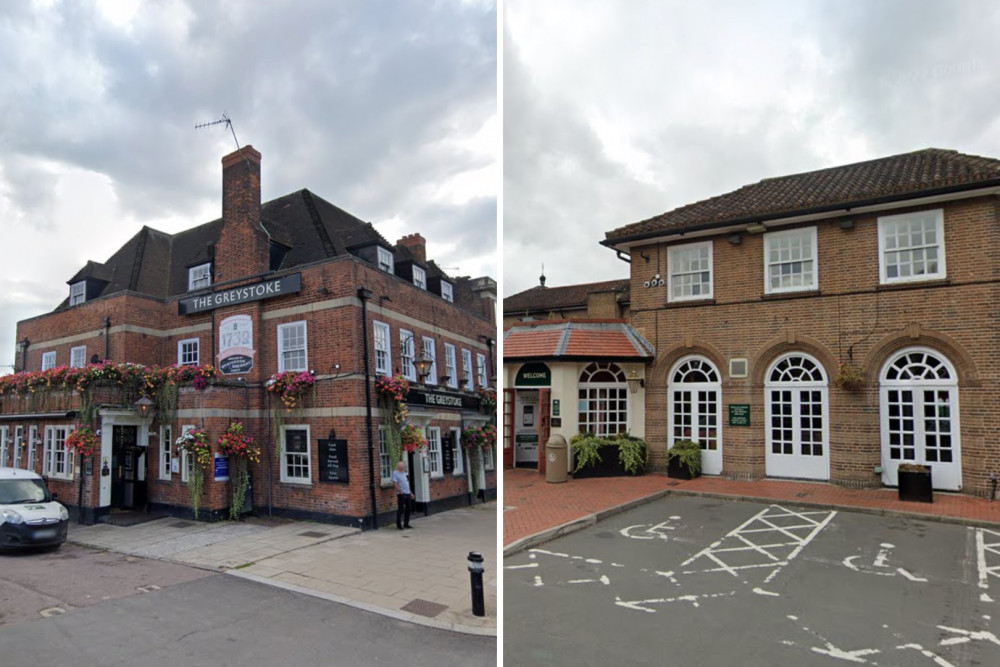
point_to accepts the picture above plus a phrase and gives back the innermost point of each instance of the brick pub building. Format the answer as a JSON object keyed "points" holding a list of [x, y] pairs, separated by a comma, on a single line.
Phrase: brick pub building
{"points": [[291, 285], [829, 325]]}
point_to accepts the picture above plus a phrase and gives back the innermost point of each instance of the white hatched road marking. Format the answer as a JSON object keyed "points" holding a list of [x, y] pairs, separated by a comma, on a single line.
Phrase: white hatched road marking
{"points": [[987, 549], [641, 605]]}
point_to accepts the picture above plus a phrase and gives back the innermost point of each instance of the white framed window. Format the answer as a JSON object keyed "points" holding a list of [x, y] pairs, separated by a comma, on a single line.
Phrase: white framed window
{"points": [[481, 370], [187, 462], [78, 356], [795, 413], [199, 276], [433, 435], [450, 365], [456, 446], [385, 261], [4, 445], [488, 463], [295, 464], [911, 247], [467, 370], [383, 356], [384, 463], [447, 293], [419, 277], [33, 448], [77, 293], [406, 354], [57, 462], [18, 446], [430, 353], [690, 275], [790, 261], [48, 360], [187, 352], [603, 400], [694, 409], [166, 451], [292, 347]]}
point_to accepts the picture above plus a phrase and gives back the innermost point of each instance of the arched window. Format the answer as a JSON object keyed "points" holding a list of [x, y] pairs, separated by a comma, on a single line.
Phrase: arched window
{"points": [[603, 405], [695, 409], [795, 393], [919, 415]]}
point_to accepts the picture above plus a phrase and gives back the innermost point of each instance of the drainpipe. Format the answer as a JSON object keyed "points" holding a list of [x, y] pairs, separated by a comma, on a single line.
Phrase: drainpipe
{"points": [[24, 353], [107, 338], [365, 294]]}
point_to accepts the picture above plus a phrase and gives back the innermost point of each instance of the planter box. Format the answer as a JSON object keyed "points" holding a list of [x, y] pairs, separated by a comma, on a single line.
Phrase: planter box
{"points": [[608, 467], [915, 486], [677, 470]]}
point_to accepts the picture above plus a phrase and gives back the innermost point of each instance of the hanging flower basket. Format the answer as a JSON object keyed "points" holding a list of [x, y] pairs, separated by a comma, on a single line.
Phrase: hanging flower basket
{"points": [[411, 438], [291, 386], [488, 436], [392, 388], [242, 451], [199, 450], [83, 441], [472, 437], [487, 400], [850, 378]]}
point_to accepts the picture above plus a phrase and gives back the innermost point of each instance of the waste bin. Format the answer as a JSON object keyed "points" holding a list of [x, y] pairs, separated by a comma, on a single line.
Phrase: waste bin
{"points": [[556, 461]]}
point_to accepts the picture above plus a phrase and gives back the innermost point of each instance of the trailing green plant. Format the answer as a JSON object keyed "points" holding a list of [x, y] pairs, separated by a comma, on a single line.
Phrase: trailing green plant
{"points": [[199, 450], [631, 453], [688, 454], [586, 450], [241, 450]]}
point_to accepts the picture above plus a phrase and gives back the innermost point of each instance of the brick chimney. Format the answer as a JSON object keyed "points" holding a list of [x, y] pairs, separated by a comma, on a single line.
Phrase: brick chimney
{"points": [[243, 249], [417, 245]]}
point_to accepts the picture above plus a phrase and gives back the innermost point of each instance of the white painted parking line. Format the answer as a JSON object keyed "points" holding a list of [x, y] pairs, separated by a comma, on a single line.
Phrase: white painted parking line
{"points": [[643, 605], [987, 560]]}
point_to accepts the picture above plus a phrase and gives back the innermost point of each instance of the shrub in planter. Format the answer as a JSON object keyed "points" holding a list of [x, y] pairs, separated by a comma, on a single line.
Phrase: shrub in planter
{"points": [[915, 483], [684, 460], [607, 457]]}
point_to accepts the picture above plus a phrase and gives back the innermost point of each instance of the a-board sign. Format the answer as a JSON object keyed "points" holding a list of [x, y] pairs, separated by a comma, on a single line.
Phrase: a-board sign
{"points": [[333, 461], [739, 414]]}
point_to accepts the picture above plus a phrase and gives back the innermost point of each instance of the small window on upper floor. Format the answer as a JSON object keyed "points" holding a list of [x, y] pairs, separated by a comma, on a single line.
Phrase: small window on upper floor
{"points": [[199, 276], [690, 272], [77, 293], [78, 356], [790, 261], [385, 262], [911, 247], [187, 352], [446, 292], [48, 360], [419, 277]]}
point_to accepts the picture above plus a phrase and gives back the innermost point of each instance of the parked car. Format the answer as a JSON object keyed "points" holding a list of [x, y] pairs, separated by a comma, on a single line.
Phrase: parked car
{"points": [[29, 514]]}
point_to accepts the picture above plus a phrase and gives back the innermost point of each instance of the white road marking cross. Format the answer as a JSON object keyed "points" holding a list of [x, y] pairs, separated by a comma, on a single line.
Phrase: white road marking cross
{"points": [[987, 559]]}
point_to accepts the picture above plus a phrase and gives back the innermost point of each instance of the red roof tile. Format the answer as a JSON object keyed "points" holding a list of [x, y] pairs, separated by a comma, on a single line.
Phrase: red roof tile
{"points": [[595, 339]]}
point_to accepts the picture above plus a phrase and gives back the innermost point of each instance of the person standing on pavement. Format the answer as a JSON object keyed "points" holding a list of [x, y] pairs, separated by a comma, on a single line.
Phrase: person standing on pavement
{"points": [[403, 496]]}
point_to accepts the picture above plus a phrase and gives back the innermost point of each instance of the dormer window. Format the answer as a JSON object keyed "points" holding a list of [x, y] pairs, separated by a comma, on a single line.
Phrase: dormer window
{"points": [[77, 293], [446, 292], [385, 260], [419, 277], [199, 276]]}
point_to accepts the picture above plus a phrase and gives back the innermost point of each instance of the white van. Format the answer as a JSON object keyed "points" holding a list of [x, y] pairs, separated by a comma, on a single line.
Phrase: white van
{"points": [[29, 514]]}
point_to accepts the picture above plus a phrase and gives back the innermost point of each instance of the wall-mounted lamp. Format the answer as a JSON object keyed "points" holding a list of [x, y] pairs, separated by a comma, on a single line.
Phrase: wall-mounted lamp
{"points": [[95, 358], [847, 223], [735, 239], [332, 435], [322, 290], [756, 228], [144, 407], [423, 366], [634, 382]]}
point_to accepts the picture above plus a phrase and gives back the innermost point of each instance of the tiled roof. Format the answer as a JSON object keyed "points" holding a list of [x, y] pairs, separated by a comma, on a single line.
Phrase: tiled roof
{"points": [[885, 179], [586, 339], [540, 298]]}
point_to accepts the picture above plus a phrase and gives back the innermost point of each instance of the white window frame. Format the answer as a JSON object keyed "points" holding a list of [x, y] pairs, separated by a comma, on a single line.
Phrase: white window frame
{"points": [[675, 257], [186, 460], [32, 451], [407, 352], [166, 450], [447, 292], [484, 380], [18, 445], [430, 351], [450, 365], [383, 352], [602, 405], [385, 465], [456, 445], [48, 360], [419, 277], [282, 366], [200, 276], [51, 466], [78, 293], [489, 463], [433, 435], [808, 244], [181, 352], [305, 480], [4, 445], [886, 221], [385, 260], [78, 356], [468, 381]]}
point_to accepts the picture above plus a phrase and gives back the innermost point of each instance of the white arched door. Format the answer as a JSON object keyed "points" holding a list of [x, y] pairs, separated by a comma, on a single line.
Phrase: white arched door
{"points": [[918, 400], [795, 404], [695, 409]]}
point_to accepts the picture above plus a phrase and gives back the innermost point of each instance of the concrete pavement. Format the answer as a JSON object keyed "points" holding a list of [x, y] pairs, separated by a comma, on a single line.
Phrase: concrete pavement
{"points": [[417, 575]]}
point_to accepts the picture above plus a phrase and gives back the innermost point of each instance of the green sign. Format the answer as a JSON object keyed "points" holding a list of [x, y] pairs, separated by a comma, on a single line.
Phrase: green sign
{"points": [[555, 407], [739, 414], [535, 374], [526, 438]]}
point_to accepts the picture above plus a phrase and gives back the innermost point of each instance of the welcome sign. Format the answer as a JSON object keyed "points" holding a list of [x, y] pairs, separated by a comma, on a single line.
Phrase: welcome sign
{"points": [[236, 345]]}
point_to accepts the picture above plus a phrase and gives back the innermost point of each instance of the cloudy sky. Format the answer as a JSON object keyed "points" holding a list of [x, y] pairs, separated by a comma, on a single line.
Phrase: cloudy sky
{"points": [[616, 111], [386, 108]]}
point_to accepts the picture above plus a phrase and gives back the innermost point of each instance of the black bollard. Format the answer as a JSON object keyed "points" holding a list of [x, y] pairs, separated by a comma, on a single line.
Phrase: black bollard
{"points": [[476, 581]]}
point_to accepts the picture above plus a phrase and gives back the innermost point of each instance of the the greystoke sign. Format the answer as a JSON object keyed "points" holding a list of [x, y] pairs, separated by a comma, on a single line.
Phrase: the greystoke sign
{"points": [[441, 398], [268, 289]]}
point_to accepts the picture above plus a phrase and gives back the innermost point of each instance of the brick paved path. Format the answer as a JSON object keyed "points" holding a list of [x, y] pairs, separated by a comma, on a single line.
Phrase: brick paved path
{"points": [[531, 505]]}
